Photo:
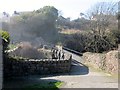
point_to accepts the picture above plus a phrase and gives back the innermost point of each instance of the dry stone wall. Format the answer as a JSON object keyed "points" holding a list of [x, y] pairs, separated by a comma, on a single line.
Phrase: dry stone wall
{"points": [[107, 61], [38, 67]]}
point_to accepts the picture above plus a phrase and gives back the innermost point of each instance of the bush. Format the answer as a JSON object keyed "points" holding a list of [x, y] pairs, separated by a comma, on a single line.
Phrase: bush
{"points": [[92, 42], [5, 38], [5, 35], [116, 33], [75, 42]]}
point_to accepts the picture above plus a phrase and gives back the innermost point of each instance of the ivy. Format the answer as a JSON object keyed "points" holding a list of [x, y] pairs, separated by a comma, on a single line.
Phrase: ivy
{"points": [[5, 35]]}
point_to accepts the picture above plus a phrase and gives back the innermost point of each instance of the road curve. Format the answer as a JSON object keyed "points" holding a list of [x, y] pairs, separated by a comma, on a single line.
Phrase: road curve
{"points": [[82, 76], [74, 56]]}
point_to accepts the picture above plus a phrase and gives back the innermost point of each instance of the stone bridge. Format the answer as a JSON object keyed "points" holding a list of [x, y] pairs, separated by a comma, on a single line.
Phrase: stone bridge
{"points": [[80, 75], [23, 66]]}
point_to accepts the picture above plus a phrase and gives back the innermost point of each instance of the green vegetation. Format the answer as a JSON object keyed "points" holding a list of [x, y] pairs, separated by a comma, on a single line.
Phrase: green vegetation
{"points": [[101, 71], [98, 30], [11, 46], [5, 39], [46, 85], [37, 24], [5, 35]]}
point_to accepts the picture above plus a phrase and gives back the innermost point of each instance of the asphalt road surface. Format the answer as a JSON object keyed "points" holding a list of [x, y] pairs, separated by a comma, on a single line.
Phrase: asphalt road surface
{"points": [[82, 76]]}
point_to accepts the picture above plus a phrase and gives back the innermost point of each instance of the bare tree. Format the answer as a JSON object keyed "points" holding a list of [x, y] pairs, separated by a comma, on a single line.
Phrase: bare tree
{"points": [[102, 17]]}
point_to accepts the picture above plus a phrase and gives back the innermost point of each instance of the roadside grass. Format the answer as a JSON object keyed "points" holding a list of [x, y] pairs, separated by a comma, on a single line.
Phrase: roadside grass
{"points": [[45, 85], [102, 71], [11, 46]]}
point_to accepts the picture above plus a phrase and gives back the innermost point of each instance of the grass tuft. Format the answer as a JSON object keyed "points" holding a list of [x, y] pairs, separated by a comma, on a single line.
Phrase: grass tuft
{"points": [[44, 85]]}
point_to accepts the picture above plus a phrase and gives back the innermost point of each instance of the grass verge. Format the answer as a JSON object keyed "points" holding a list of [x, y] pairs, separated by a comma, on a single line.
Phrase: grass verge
{"points": [[45, 86], [102, 71]]}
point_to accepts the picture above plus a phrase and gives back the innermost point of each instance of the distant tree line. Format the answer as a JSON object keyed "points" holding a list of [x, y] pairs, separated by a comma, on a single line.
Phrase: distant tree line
{"points": [[100, 26], [101, 30], [30, 25], [80, 23]]}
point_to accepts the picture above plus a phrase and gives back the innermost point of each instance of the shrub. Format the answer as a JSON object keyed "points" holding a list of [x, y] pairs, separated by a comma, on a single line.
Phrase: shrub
{"points": [[5, 38], [92, 42], [116, 33]]}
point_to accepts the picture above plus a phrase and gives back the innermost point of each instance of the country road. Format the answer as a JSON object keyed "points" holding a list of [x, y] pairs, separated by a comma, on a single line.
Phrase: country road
{"points": [[74, 56], [82, 76]]}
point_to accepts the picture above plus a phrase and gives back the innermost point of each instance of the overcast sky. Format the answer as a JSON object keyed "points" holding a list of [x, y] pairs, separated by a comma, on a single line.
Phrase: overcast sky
{"points": [[69, 8]]}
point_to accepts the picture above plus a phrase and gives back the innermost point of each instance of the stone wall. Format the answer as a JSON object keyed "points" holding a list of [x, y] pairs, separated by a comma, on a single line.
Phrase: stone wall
{"points": [[1, 64], [119, 59], [107, 61], [38, 67]]}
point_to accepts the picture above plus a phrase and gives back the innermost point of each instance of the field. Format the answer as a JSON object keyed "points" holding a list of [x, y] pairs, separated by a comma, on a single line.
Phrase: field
{"points": [[70, 31]]}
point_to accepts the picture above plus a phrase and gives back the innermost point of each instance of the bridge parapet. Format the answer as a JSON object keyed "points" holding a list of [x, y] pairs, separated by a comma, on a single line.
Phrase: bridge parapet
{"points": [[36, 66]]}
